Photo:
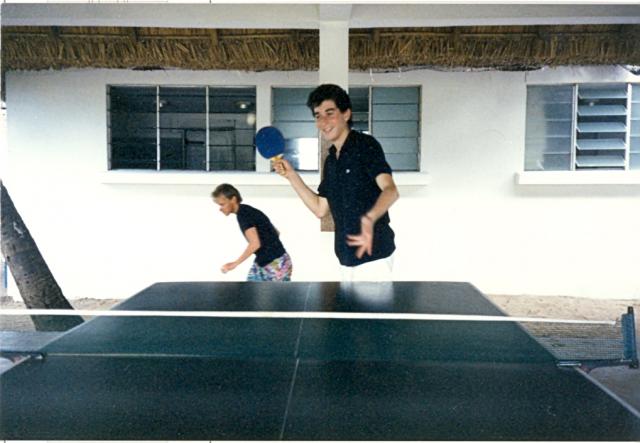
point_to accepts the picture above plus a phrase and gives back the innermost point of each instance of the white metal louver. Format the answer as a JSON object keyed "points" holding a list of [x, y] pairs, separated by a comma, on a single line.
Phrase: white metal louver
{"points": [[601, 127]]}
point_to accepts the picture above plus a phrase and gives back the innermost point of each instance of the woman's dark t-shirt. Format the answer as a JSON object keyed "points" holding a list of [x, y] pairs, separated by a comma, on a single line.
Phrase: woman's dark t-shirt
{"points": [[270, 245]]}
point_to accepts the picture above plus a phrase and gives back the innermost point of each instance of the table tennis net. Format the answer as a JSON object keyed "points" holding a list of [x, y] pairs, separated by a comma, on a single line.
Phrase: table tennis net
{"points": [[320, 335]]}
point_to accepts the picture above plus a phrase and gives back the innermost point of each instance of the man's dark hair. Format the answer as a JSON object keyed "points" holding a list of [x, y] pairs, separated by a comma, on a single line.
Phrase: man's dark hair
{"points": [[228, 191], [328, 91]]}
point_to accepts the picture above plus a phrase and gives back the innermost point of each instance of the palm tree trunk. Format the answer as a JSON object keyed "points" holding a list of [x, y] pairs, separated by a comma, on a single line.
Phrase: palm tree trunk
{"points": [[38, 288]]}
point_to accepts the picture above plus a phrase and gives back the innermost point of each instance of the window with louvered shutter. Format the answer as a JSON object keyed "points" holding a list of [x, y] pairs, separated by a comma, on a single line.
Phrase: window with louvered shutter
{"points": [[601, 127], [634, 144], [582, 127], [395, 123], [390, 113]]}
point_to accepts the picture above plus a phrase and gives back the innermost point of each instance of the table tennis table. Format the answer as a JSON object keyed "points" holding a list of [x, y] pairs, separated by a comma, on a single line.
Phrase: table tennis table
{"points": [[209, 378]]}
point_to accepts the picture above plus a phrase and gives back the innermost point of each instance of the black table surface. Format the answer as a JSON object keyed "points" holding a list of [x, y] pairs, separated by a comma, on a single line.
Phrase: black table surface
{"points": [[185, 378]]}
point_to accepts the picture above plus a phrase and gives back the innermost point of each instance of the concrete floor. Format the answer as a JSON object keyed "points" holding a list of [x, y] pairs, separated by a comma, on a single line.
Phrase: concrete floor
{"points": [[622, 381]]}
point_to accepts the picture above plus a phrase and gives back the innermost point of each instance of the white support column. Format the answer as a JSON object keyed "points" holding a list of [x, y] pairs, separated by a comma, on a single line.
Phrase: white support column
{"points": [[334, 68], [334, 53]]}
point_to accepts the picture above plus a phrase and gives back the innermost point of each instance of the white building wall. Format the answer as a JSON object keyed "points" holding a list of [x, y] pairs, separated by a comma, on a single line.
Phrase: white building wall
{"points": [[109, 238]]}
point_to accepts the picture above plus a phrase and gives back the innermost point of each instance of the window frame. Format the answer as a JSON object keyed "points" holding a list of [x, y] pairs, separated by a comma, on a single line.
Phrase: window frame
{"points": [[369, 87], [574, 123], [158, 129]]}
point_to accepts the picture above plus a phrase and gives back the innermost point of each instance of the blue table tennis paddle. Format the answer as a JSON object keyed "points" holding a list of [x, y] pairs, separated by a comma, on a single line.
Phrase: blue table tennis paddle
{"points": [[270, 142]]}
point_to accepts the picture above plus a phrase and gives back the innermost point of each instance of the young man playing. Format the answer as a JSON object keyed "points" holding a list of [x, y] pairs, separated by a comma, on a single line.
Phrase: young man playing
{"points": [[272, 263], [357, 187]]}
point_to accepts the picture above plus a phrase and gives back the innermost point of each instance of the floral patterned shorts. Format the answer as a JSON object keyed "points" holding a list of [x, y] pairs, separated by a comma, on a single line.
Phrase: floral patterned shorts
{"points": [[279, 269]]}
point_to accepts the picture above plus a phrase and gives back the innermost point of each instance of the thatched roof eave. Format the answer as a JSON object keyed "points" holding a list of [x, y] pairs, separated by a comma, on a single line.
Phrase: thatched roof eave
{"points": [[379, 49]]}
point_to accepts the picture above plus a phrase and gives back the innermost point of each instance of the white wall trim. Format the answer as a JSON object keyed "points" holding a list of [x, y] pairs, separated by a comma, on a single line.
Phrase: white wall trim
{"points": [[200, 178], [152, 177], [578, 178]]}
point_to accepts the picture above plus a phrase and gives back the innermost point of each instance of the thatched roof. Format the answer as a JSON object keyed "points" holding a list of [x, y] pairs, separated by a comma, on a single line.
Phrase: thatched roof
{"points": [[495, 47], [141, 48]]}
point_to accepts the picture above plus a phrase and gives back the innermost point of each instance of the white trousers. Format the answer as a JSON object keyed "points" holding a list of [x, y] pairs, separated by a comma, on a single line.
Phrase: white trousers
{"points": [[377, 270]]}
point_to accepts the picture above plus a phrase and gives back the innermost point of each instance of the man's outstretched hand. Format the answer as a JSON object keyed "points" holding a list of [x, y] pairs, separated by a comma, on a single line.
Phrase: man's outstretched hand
{"points": [[364, 240]]}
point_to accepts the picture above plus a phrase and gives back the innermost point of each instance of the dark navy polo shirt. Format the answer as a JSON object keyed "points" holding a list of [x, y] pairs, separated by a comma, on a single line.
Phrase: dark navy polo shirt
{"points": [[349, 185], [270, 245]]}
